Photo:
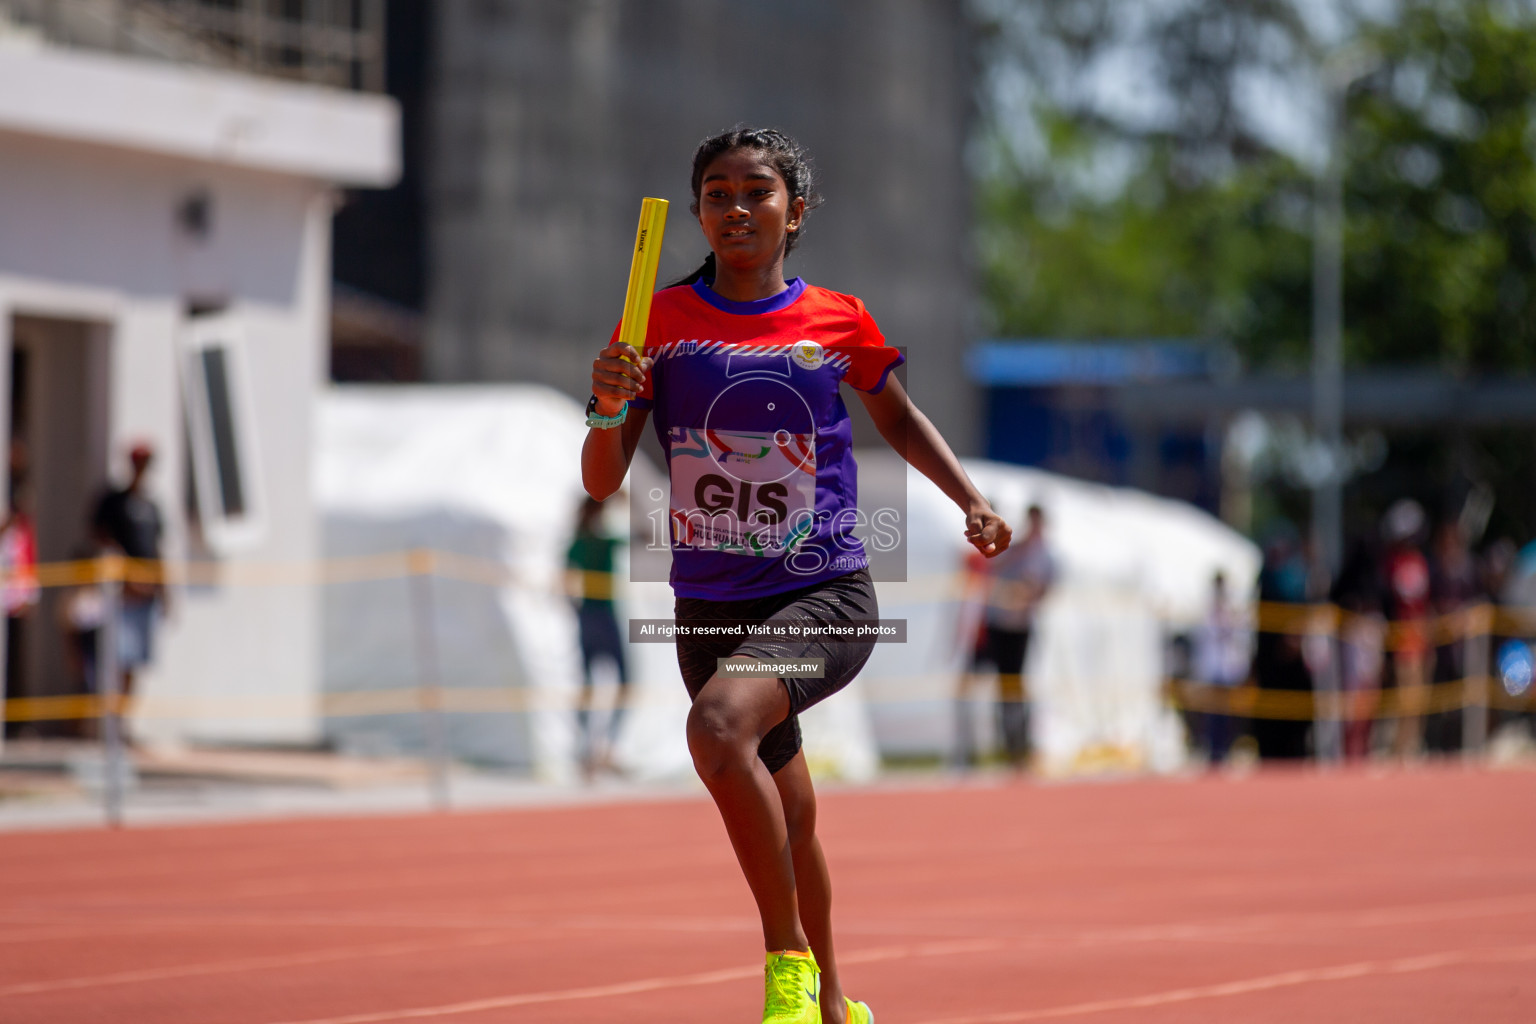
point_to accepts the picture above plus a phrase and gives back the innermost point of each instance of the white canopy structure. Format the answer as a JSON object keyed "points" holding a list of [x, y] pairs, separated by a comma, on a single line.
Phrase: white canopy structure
{"points": [[1131, 568], [491, 472]]}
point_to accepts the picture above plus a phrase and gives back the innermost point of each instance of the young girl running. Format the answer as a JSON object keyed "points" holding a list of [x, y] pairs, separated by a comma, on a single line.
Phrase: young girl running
{"points": [[742, 370]]}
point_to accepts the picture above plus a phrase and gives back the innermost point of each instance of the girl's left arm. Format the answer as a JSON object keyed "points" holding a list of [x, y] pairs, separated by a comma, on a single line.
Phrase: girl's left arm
{"points": [[914, 438]]}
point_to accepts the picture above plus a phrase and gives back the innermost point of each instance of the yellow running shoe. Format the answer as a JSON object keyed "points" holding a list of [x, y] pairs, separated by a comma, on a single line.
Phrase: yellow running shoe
{"points": [[792, 988], [859, 1013]]}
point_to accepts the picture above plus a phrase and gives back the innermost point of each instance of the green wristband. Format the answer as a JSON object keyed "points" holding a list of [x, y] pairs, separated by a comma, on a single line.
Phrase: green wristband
{"points": [[600, 422]]}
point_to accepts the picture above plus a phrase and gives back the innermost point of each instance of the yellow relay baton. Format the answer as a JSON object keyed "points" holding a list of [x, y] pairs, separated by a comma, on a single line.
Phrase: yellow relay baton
{"points": [[642, 272]]}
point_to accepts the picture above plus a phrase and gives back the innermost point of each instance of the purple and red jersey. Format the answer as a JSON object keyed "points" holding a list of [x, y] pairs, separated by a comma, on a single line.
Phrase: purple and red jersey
{"points": [[758, 442]]}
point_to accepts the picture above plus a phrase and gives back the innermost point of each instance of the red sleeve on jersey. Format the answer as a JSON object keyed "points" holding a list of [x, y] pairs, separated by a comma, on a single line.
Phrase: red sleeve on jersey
{"points": [[871, 359]]}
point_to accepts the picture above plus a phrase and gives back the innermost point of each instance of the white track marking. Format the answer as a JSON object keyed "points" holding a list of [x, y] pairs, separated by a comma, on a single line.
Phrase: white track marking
{"points": [[49, 927], [508, 930], [1406, 965], [626, 988], [257, 963], [1342, 972], [1257, 926]]}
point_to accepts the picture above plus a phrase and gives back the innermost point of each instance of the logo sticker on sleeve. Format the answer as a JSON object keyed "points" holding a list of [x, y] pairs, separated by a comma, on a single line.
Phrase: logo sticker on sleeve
{"points": [[742, 492], [806, 354]]}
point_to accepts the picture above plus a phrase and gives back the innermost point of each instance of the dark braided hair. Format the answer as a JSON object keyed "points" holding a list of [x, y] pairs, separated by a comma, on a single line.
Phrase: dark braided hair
{"points": [[780, 151]]}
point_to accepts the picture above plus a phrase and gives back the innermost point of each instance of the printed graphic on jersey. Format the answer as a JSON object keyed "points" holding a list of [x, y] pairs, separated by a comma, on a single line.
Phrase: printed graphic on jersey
{"points": [[754, 362], [773, 410], [742, 493]]}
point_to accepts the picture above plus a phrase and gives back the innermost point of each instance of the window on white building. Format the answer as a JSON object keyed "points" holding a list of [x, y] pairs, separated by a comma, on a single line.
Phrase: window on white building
{"points": [[220, 427]]}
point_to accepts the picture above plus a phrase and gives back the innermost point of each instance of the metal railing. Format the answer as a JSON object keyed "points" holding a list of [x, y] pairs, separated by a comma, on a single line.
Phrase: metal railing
{"points": [[337, 43]]}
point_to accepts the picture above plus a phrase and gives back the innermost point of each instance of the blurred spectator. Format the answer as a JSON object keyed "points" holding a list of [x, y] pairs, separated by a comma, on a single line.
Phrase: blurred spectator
{"points": [[82, 610], [1321, 655], [973, 645], [1509, 577], [128, 522], [1278, 665], [1222, 661], [1408, 609], [1007, 590], [1362, 636], [1498, 567], [1520, 588], [1014, 583], [1178, 672], [590, 562], [18, 560], [1455, 585]]}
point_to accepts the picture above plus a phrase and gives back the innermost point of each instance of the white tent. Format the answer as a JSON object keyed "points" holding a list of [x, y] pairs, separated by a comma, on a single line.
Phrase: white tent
{"points": [[1131, 567], [491, 472]]}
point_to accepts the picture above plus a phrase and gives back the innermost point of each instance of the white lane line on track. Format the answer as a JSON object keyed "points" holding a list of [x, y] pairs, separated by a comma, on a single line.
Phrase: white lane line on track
{"points": [[511, 930], [1269, 924], [249, 964], [49, 928], [626, 988], [1341, 972], [54, 931]]}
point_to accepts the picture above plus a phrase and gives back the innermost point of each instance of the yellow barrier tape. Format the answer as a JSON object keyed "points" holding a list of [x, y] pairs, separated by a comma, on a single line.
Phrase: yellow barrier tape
{"points": [[1323, 620], [53, 709], [1271, 617], [353, 569], [1436, 631], [1243, 701], [1353, 705]]}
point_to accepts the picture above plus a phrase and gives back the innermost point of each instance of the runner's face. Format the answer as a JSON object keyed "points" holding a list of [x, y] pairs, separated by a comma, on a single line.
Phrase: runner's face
{"points": [[745, 209]]}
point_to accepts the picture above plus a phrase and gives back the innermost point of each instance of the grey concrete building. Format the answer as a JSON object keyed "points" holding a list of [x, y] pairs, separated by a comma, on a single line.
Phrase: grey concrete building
{"points": [[549, 121]]}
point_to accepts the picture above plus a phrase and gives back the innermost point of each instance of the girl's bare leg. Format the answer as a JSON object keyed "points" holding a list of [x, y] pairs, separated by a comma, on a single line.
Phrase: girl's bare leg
{"points": [[728, 720], [813, 882]]}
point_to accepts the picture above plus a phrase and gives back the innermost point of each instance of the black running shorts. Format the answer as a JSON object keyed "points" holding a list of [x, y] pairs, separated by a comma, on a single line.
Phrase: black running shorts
{"points": [[843, 599]]}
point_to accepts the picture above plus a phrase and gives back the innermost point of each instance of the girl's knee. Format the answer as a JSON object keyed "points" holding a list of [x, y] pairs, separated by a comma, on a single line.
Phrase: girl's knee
{"points": [[718, 738]]}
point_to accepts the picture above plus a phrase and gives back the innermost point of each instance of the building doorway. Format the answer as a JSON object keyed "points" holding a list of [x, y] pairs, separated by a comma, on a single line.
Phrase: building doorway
{"points": [[59, 394]]}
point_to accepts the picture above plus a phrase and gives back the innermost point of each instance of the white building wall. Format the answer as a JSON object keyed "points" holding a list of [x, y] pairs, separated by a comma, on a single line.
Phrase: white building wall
{"points": [[89, 230]]}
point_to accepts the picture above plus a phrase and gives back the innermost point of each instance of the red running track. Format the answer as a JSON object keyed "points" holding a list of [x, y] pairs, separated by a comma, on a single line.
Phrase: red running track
{"points": [[1407, 897]]}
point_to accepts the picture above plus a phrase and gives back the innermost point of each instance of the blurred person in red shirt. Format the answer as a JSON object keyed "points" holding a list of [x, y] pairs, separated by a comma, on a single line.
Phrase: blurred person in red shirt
{"points": [[18, 560], [1408, 608]]}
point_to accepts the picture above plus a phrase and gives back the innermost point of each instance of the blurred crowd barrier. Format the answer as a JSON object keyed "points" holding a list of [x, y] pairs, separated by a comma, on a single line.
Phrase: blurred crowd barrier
{"points": [[1476, 628]]}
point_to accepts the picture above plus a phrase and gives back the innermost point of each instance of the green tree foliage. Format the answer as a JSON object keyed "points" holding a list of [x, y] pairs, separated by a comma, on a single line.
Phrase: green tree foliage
{"points": [[1168, 71], [1221, 260], [1206, 229], [1441, 192]]}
